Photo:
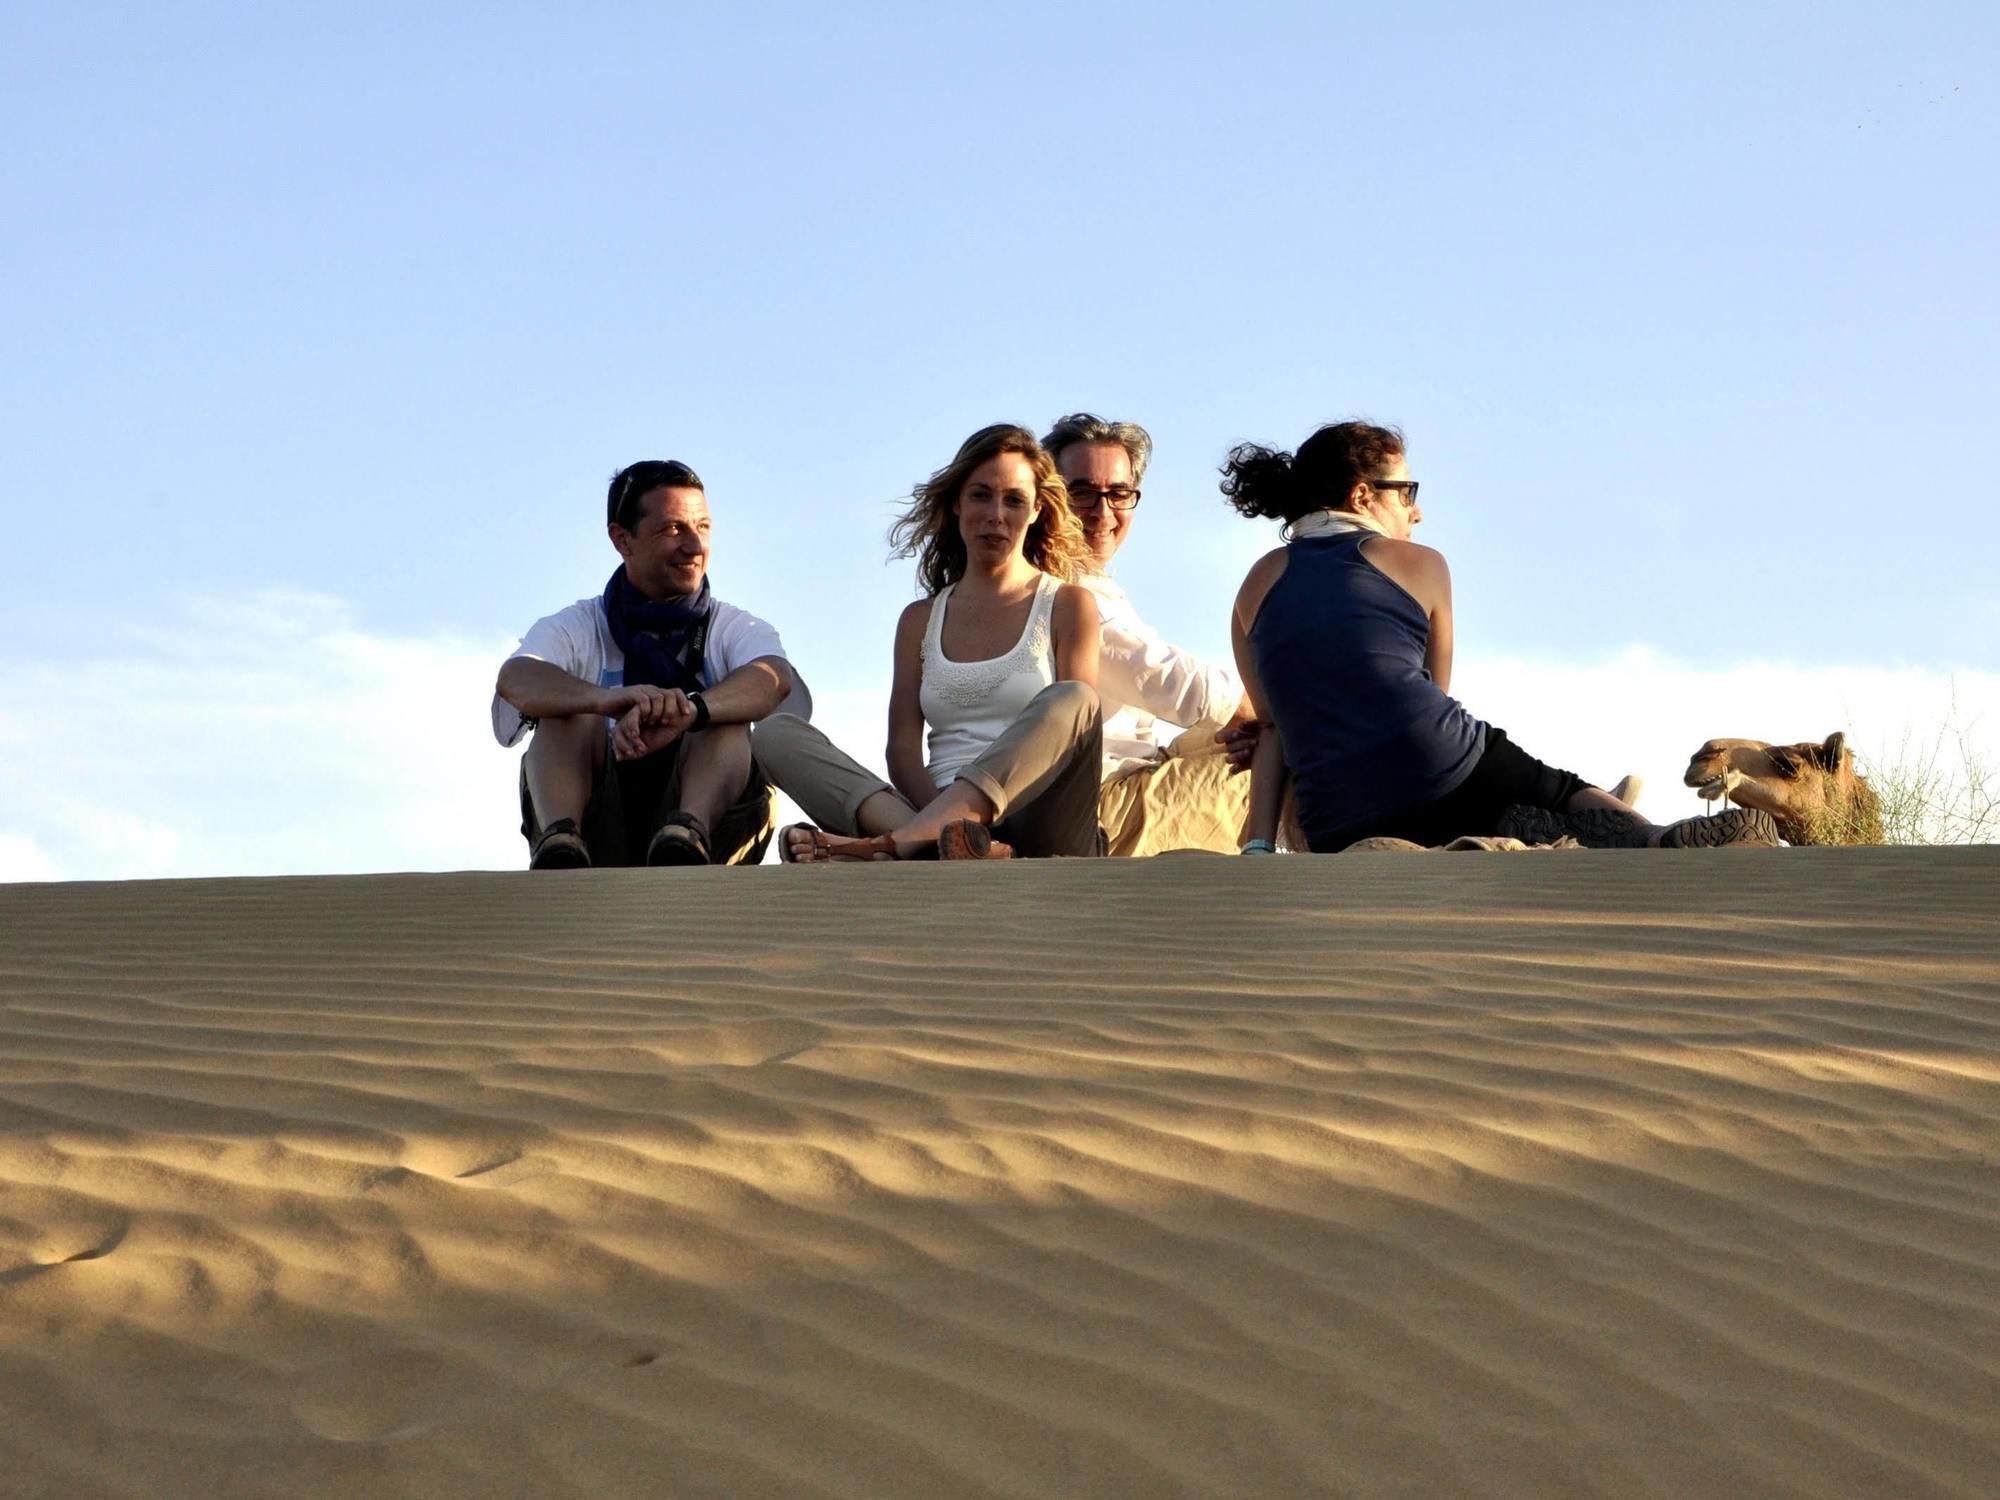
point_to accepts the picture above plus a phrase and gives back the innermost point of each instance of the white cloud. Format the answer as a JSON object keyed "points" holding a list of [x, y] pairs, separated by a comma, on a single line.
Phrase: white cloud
{"points": [[272, 735], [21, 858], [263, 736]]}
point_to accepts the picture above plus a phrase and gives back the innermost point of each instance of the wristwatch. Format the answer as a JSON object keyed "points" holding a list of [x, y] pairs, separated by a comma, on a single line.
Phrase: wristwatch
{"points": [[700, 713]]}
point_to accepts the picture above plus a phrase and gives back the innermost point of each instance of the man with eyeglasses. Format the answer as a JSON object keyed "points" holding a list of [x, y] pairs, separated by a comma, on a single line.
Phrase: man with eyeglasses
{"points": [[1179, 795], [641, 699]]}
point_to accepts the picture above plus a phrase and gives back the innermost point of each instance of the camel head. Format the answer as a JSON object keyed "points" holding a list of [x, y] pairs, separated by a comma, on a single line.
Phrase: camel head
{"points": [[1812, 790]]}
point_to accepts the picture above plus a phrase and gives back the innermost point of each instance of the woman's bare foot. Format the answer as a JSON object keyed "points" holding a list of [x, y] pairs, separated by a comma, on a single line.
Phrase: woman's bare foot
{"points": [[803, 844]]}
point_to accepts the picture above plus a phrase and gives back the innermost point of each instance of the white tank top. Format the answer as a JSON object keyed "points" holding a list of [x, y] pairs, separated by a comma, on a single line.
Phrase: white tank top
{"points": [[969, 703]]}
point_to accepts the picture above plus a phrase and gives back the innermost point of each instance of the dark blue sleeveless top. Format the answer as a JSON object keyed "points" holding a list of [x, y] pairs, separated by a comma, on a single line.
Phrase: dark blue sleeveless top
{"points": [[1339, 648]]}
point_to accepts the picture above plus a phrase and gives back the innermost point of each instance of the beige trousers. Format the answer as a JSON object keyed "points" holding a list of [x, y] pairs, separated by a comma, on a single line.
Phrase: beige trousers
{"points": [[1188, 800], [1040, 774]]}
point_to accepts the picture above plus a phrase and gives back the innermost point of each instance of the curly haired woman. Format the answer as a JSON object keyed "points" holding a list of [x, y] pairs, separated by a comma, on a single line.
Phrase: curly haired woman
{"points": [[1344, 640]]}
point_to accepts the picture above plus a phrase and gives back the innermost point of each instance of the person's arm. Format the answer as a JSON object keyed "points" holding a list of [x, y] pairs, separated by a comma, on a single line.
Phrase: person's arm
{"points": [[751, 692], [1266, 753], [1270, 777], [1078, 642], [1139, 667], [905, 751], [1437, 658], [543, 690], [1240, 735]]}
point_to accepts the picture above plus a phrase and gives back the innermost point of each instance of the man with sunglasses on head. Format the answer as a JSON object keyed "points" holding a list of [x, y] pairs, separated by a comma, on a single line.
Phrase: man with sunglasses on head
{"points": [[1155, 797], [642, 697]]}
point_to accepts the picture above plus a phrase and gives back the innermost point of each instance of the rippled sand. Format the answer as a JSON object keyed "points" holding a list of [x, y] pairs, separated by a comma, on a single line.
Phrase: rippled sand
{"points": [[1612, 1175]]}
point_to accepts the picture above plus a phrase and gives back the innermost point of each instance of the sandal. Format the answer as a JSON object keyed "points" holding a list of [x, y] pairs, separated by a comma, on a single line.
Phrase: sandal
{"points": [[681, 840], [966, 839], [818, 840], [561, 847], [825, 851]]}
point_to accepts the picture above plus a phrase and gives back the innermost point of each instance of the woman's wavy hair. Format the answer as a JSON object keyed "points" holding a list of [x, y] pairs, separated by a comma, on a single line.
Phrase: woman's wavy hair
{"points": [[928, 531], [1320, 476]]}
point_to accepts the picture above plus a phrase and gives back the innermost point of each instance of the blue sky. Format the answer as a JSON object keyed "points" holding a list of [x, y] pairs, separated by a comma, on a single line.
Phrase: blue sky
{"points": [[331, 323]]}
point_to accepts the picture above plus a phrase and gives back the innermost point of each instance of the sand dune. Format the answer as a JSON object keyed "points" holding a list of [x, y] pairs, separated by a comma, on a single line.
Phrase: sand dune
{"points": [[1576, 1175]]}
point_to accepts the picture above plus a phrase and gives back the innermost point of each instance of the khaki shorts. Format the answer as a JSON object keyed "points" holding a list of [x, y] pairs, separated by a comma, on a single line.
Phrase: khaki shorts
{"points": [[1186, 800]]}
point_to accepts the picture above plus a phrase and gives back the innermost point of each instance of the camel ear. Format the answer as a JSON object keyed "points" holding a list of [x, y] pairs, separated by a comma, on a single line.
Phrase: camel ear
{"points": [[1831, 752]]}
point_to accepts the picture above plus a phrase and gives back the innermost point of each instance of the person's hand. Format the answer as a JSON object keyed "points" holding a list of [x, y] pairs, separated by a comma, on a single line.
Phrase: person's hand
{"points": [[1239, 743], [645, 696], [654, 721]]}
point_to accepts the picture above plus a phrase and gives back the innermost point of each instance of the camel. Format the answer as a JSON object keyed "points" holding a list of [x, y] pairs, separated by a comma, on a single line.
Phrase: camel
{"points": [[1813, 791]]}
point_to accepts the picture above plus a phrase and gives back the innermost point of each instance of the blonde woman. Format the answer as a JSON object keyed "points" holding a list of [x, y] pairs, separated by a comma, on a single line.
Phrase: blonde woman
{"points": [[998, 662]]}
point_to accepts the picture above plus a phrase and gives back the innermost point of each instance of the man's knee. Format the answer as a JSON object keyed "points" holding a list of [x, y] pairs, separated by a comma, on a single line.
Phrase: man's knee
{"points": [[568, 737], [721, 741], [719, 758]]}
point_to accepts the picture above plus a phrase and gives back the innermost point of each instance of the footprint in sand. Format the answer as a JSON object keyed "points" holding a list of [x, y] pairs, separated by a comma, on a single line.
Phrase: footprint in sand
{"points": [[509, 1168], [739, 1044], [93, 1245], [788, 1054], [380, 1397], [491, 1165]]}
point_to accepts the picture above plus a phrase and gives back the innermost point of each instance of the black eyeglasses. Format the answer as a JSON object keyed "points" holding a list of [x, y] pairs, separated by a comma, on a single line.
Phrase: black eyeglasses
{"points": [[1407, 486], [1087, 497]]}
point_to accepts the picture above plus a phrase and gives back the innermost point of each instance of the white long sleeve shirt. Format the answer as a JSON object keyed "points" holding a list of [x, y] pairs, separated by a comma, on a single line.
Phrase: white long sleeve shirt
{"points": [[1140, 678]]}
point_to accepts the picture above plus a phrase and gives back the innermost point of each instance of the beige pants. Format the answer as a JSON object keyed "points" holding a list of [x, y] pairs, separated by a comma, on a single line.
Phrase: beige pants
{"points": [[1188, 800], [1040, 774]]}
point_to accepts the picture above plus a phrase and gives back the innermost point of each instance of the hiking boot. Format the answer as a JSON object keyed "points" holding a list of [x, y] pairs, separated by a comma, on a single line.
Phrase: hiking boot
{"points": [[1735, 825], [1602, 828], [1594, 827]]}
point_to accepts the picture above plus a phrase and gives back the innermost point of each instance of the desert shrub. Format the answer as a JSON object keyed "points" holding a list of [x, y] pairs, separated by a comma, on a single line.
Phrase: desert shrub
{"points": [[1942, 790]]}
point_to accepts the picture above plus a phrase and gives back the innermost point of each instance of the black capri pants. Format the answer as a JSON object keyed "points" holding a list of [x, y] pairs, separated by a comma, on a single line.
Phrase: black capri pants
{"points": [[1504, 776]]}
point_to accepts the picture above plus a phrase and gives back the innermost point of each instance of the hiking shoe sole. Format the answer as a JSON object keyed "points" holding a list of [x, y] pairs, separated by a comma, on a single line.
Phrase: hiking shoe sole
{"points": [[1736, 825], [1594, 827]]}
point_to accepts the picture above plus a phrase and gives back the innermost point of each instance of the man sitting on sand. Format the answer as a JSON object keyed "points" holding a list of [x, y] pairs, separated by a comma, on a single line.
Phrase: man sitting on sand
{"points": [[642, 697], [1155, 797]]}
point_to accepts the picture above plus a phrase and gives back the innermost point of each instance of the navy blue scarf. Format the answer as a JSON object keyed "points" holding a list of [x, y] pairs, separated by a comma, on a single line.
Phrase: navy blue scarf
{"points": [[663, 641]]}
